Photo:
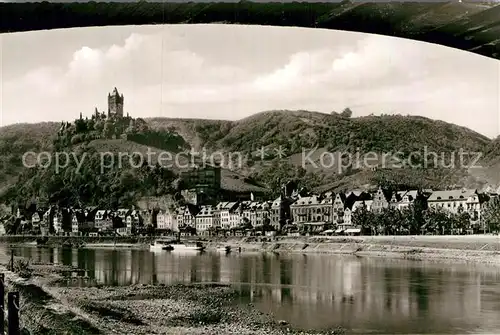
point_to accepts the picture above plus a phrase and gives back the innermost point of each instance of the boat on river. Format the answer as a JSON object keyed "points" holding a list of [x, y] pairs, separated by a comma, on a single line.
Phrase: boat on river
{"points": [[226, 249], [160, 245], [175, 246]]}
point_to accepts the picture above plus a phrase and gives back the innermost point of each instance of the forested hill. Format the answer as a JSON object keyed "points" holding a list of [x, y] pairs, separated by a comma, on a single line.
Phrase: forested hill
{"points": [[284, 136], [337, 131]]}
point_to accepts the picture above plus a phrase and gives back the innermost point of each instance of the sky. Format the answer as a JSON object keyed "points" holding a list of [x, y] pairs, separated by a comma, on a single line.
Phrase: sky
{"points": [[231, 72]]}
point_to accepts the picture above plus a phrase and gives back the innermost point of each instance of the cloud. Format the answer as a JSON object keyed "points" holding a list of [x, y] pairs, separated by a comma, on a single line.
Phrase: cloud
{"points": [[175, 71], [374, 58]]}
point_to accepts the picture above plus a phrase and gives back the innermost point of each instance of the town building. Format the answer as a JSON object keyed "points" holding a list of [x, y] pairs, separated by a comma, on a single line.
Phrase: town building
{"points": [[103, 220], [36, 219], [338, 207], [248, 212], [380, 200], [229, 214], [205, 220], [147, 217], [263, 215], [310, 212], [408, 199], [189, 215], [453, 201], [166, 219], [461, 201]]}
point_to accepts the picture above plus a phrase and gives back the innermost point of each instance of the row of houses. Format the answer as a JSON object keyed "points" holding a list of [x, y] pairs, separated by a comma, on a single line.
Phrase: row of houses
{"points": [[70, 221], [337, 209], [316, 213]]}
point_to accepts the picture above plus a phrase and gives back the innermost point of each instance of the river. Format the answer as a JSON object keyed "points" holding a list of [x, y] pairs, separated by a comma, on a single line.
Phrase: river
{"points": [[365, 295]]}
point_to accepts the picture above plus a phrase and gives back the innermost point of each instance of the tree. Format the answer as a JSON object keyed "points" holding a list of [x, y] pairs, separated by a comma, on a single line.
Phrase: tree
{"points": [[4, 210], [438, 221], [364, 219], [413, 218], [347, 112], [390, 220], [10, 226], [245, 223], [491, 215], [461, 221], [266, 225]]}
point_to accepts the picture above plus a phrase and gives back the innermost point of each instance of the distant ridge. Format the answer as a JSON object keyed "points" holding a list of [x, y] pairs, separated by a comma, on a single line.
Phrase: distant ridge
{"points": [[293, 131]]}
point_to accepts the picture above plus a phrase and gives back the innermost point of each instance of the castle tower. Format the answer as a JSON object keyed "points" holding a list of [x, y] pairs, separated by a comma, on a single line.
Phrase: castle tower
{"points": [[115, 104]]}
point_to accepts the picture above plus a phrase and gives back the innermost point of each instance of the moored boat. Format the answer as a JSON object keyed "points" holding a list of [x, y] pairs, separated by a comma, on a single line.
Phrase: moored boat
{"points": [[175, 246], [186, 247], [160, 245], [226, 249]]}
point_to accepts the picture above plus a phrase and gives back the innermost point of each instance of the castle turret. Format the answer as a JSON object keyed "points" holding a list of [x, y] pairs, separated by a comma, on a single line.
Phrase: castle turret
{"points": [[115, 104]]}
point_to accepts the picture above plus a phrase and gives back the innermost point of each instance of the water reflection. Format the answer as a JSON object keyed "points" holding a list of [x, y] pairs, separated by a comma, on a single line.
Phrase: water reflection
{"points": [[369, 295]]}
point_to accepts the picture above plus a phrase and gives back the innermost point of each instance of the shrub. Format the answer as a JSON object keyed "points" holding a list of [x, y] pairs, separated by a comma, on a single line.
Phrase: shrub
{"points": [[23, 268]]}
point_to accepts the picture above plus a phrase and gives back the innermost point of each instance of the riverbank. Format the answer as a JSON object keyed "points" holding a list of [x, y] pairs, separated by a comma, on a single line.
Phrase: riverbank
{"points": [[468, 248], [465, 248], [48, 307]]}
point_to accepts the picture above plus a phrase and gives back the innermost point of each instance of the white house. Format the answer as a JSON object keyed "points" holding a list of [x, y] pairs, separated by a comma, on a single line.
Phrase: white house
{"points": [[229, 216], [204, 220], [453, 201], [35, 220], [407, 199], [74, 223]]}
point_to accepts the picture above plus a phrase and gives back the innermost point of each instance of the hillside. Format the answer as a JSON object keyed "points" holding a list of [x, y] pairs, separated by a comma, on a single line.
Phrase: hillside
{"points": [[17, 139], [293, 131]]}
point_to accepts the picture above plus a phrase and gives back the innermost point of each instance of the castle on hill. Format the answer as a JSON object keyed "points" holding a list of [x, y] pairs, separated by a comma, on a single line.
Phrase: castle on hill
{"points": [[115, 106]]}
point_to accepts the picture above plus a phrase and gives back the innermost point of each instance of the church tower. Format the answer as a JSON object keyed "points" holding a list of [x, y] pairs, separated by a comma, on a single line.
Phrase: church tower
{"points": [[115, 104]]}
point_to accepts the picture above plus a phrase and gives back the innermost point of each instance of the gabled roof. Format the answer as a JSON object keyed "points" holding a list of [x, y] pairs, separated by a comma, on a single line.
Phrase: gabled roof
{"points": [[191, 210], [451, 195], [205, 211], [386, 193], [102, 212], [412, 195], [397, 196], [122, 212], [340, 196], [305, 201], [327, 201], [277, 202], [227, 206], [329, 194]]}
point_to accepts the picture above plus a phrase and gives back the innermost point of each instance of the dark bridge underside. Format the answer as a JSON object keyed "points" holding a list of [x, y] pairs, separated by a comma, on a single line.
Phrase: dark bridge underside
{"points": [[469, 26]]}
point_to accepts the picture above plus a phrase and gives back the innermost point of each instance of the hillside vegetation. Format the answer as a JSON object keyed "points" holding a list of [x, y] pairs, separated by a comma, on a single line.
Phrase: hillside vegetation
{"points": [[18, 139], [293, 131]]}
